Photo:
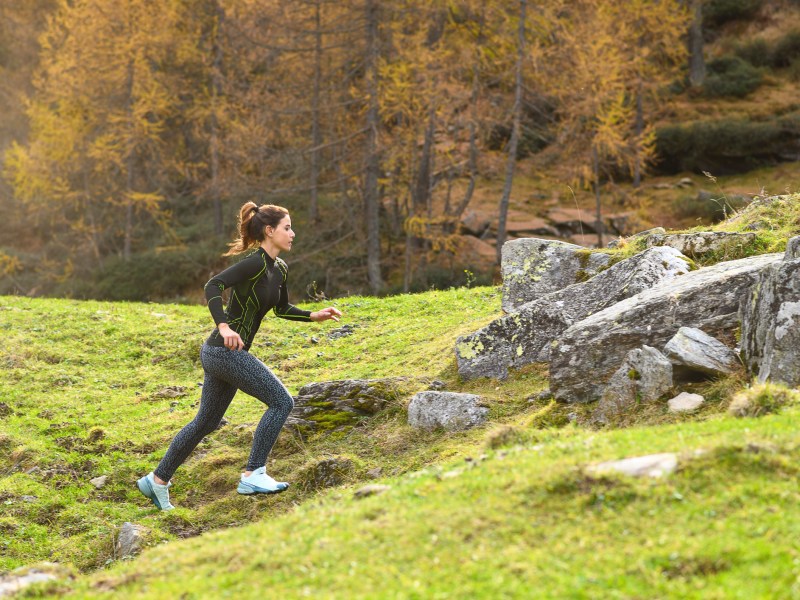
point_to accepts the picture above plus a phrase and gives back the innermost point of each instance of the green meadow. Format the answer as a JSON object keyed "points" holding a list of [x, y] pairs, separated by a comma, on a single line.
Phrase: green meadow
{"points": [[509, 509]]}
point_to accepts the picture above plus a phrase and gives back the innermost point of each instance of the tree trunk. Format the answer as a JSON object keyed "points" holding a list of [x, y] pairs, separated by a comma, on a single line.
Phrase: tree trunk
{"points": [[637, 166], [316, 136], [216, 91], [697, 65], [515, 133], [599, 216], [130, 164], [371, 200]]}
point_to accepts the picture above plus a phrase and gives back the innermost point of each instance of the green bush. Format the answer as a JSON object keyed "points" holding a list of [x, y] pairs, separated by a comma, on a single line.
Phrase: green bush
{"points": [[731, 76], [786, 50], [756, 52], [150, 275], [717, 146], [717, 12]]}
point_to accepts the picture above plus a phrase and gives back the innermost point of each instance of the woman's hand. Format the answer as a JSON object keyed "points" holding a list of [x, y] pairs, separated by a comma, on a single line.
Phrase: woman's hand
{"points": [[325, 314], [232, 340]]}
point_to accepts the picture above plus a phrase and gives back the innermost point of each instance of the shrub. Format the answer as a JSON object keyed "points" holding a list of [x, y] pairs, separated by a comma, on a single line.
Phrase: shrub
{"points": [[756, 52], [717, 12], [720, 146], [731, 76], [762, 399], [786, 50]]}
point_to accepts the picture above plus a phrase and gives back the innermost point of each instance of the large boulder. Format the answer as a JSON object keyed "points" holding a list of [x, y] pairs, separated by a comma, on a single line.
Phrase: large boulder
{"points": [[770, 315], [590, 351], [533, 267], [702, 242], [448, 410], [644, 376], [525, 336], [693, 350]]}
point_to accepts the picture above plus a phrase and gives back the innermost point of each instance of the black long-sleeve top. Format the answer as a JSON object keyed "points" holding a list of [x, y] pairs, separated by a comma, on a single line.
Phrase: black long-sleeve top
{"points": [[258, 284]]}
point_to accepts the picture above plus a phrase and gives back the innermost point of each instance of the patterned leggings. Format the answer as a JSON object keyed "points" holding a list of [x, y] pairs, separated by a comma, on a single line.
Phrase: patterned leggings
{"points": [[225, 372]]}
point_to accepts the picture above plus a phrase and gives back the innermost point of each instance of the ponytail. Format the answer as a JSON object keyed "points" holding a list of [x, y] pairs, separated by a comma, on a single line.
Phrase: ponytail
{"points": [[252, 221]]}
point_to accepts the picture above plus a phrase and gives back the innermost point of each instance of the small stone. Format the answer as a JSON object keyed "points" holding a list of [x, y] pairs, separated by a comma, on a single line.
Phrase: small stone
{"points": [[222, 422], [685, 402], [372, 489], [436, 385], [375, 473], [449, 410], [315, 340], [99, 482], [29, 499], [130, 539], [653, 465], [171, 391]]}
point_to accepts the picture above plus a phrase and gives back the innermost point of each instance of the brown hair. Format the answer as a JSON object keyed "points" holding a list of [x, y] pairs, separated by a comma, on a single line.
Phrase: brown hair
{"points": [[252, 221]]}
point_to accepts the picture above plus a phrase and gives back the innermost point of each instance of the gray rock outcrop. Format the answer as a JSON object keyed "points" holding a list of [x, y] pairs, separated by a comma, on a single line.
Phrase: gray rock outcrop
{"points": [[770, 315], [341, 403], [533, 267], [525, 336], [702, 242], [644, 376], [590, 351], [449, 410], [692, 349]]}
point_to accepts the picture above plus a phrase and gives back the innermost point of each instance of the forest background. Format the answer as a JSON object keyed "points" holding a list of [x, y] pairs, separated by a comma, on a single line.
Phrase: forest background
{"points": [[132, 130]]}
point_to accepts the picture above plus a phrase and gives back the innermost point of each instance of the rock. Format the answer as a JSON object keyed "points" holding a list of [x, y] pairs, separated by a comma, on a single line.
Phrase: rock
{"points": [[585, 356], [130, 539], [99, 482], [644, 376], [533, 267], [531, 226], [5, 409], [437, 385], [792, 248], [329, 472], [692, 349], [29, 499], [702, 242], [222, 422], [525, 336], [171, 391], [343, 331], [684, 182], [344, 402], [299, 426], [372, 489], [375, 473], [475, 223], [449, 410], [476, 252], [572, 220], [21, 578], [685, 402], [641, 234], [653, 465], [770, 315]]}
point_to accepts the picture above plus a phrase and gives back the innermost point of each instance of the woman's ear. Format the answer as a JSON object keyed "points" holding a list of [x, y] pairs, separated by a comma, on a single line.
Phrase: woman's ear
{"points": [[268, 231]]}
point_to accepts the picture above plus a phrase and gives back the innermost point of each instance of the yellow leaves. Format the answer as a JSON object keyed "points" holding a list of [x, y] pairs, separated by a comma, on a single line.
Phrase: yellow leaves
{"points": [[9, 265], [435, 230]]}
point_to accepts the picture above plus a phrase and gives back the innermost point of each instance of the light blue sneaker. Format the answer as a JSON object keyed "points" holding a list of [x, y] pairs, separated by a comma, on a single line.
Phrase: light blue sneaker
{"points": [[158, 493], [260, 483]]}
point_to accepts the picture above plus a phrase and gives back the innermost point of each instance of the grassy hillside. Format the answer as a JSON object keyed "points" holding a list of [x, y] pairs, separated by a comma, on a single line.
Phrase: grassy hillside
{"points": [[508, 509]]}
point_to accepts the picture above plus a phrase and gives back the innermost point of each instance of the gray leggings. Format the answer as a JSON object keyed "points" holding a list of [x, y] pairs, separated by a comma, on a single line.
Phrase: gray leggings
{"points": [[225, 372]]}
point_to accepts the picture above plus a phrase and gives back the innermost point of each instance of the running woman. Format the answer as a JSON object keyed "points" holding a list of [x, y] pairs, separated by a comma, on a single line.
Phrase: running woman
{"points": [[257, 284]]}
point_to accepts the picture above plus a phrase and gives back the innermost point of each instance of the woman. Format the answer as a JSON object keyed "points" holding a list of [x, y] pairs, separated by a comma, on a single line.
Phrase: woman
{"points": [[258, 284]]}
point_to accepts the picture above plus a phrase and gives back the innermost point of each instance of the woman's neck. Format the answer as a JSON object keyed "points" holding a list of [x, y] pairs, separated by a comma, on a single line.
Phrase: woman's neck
{"points": [[270, 249]]}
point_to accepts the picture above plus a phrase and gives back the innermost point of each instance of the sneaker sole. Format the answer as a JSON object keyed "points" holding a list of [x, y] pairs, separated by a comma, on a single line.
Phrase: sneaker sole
{"points": [[251, 490]]}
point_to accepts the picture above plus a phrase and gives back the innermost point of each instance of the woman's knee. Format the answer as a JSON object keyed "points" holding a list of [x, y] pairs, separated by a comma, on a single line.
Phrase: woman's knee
{"points": [[282, 402]]}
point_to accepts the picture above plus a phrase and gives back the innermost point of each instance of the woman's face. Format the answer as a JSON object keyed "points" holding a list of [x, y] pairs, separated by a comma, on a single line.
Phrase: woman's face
{"points": [[283, 234]]}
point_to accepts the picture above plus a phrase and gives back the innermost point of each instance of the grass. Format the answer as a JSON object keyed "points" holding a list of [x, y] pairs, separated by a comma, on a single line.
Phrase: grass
{"points": [[501, 509]]}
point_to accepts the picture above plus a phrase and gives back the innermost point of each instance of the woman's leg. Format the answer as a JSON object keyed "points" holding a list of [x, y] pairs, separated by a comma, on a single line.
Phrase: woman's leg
{"points": [[214, 401], [253, 377]]}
